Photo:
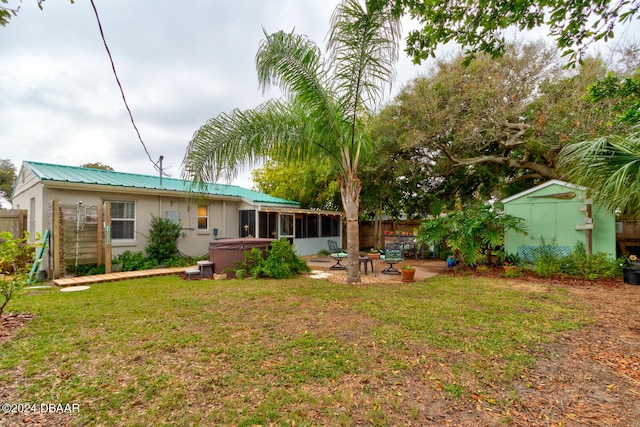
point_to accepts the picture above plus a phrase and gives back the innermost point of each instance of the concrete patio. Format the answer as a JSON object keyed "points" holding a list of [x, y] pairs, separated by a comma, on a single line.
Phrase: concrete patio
{"points": [[424, 269]]}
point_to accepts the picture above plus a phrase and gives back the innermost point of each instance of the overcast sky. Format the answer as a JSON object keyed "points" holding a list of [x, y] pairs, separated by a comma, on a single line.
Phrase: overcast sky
{"points": [[180, 63]]}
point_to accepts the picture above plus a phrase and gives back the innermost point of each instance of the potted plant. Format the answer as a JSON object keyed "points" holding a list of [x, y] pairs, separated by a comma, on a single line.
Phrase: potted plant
{"points": [[374, 253], [510, 262], [508, 266], [408, 273]]}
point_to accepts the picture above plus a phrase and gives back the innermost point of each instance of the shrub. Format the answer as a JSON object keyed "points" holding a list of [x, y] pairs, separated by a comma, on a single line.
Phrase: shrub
{"points": [[85, 269], [133, 261], [471, 233], [163, 239], [280, 262], [592, 267], [513, 271], [512, 259], [16, 259], [549, 262]]}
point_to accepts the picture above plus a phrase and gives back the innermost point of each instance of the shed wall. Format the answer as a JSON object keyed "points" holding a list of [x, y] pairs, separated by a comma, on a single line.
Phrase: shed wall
{"points": [[554, 221]]}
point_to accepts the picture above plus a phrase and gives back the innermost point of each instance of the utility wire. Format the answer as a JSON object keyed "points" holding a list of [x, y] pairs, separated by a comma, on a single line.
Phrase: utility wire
{"points": [[113, 67]]}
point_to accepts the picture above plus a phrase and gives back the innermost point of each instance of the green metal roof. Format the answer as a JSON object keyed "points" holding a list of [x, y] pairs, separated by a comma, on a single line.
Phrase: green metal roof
{"points": [[79, 175]]}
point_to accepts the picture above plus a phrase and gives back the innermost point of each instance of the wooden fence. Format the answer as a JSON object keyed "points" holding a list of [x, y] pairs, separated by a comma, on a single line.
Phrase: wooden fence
{"points": [[628, 238], [374, 234], [13, 221]]}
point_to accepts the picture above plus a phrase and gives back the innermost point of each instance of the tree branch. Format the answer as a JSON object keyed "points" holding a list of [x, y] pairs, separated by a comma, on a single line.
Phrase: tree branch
{"points": [[521, 129], [542, 170]]}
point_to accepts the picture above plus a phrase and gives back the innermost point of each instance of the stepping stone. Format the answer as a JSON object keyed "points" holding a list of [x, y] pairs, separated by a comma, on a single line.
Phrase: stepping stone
{"points": [[74, 288]]}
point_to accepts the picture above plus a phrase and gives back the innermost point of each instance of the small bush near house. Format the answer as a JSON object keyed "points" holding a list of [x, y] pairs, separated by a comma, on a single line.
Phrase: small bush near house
{"points": [[85, 269], [134, 261], [280, 262], [547, 264], [163, 239]]}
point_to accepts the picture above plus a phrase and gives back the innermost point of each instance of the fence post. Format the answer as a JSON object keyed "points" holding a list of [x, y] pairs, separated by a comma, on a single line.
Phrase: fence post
{"points": [[100, 237], [107, 237], [55, 246]]}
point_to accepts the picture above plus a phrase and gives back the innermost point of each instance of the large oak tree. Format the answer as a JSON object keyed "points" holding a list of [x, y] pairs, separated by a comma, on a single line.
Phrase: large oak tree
{"points": [[495, 124], [480, 26], [7, 177]]}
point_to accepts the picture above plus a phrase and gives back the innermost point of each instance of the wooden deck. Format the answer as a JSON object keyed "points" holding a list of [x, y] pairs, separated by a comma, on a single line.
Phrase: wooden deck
{"points": [[112, 277]]}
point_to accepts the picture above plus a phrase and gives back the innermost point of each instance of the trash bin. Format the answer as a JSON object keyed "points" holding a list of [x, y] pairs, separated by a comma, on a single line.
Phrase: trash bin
{"points": [[226, 253], [631, 276]]}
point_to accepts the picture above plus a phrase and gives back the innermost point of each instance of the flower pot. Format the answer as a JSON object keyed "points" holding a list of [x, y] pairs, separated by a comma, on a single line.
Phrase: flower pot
{"points": [[631, 276], [374, 256], [408, 275]]}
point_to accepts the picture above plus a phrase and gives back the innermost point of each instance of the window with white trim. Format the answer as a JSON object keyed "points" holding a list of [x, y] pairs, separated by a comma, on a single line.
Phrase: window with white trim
{"points": [[203, 217], [123, 220]]}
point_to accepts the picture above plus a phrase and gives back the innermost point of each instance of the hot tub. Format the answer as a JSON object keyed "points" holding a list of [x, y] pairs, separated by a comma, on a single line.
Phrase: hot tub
{"points": [[225, 253]]}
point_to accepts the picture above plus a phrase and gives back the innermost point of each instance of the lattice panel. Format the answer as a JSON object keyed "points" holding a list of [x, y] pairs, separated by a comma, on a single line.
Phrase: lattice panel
{"points": [[531, 253]]}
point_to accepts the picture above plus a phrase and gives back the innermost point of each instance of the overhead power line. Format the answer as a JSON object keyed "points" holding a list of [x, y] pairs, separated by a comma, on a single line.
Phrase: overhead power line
{"points": [[124, 98]]}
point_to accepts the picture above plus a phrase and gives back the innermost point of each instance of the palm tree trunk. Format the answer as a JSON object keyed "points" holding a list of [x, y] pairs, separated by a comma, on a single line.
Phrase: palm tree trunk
{"points": [[350, 191]]}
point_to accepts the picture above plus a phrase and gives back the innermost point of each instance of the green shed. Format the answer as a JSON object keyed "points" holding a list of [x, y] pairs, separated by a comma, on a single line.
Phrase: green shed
{"points": [[560, 214]]}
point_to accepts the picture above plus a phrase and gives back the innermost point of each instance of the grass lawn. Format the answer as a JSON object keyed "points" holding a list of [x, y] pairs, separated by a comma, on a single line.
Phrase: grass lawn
{"points": [[164, 351]]}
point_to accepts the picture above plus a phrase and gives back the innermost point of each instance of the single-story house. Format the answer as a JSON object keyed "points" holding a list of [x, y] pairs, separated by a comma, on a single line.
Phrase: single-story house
{"points": [[559, 214], [217, 211]]}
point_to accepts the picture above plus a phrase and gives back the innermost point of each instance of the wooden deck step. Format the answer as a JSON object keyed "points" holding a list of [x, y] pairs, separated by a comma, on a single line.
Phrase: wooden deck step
{"points": [[121, 275]]}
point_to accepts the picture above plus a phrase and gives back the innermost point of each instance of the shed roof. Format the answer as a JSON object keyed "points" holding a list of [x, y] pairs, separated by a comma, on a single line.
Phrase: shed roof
{"points": [[79, 175], [541, 186]]}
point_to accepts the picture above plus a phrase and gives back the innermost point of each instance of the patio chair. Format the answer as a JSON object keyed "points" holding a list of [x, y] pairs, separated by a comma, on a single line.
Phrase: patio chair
{"points": [[409, 246], [393, 254], [337, 254]]}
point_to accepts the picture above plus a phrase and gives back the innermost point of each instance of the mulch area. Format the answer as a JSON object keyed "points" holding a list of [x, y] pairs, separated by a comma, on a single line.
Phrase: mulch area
{"points": [[590, 377], [10, 324]]}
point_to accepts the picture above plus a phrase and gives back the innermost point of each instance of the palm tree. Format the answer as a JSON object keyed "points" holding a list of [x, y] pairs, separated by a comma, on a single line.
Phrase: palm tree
{"points": [[324, 113], [610, 166]]}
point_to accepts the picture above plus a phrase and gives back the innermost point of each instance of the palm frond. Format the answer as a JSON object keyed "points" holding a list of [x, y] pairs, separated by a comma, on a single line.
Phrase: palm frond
{"points": [[228, 142], [364, 46], [610, 166], [295, 64]]}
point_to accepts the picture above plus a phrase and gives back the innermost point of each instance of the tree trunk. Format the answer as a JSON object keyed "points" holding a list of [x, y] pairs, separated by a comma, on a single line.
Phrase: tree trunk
{"points": [[350, 191]]}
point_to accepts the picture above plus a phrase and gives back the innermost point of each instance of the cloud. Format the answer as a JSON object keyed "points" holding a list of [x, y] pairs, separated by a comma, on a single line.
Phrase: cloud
{"points": [[179, 64]]}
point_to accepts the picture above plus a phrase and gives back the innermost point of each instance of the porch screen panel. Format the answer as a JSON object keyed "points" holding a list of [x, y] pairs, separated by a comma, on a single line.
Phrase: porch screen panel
{"points": [[312, 225], [267, 225], [330, 225], [307, 225], [247, 218]]}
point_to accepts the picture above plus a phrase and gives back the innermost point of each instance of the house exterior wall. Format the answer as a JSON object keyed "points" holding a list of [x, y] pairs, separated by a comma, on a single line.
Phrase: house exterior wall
{"points": [[223, 213], [309, 246], [31, 188], [554, 220]]}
